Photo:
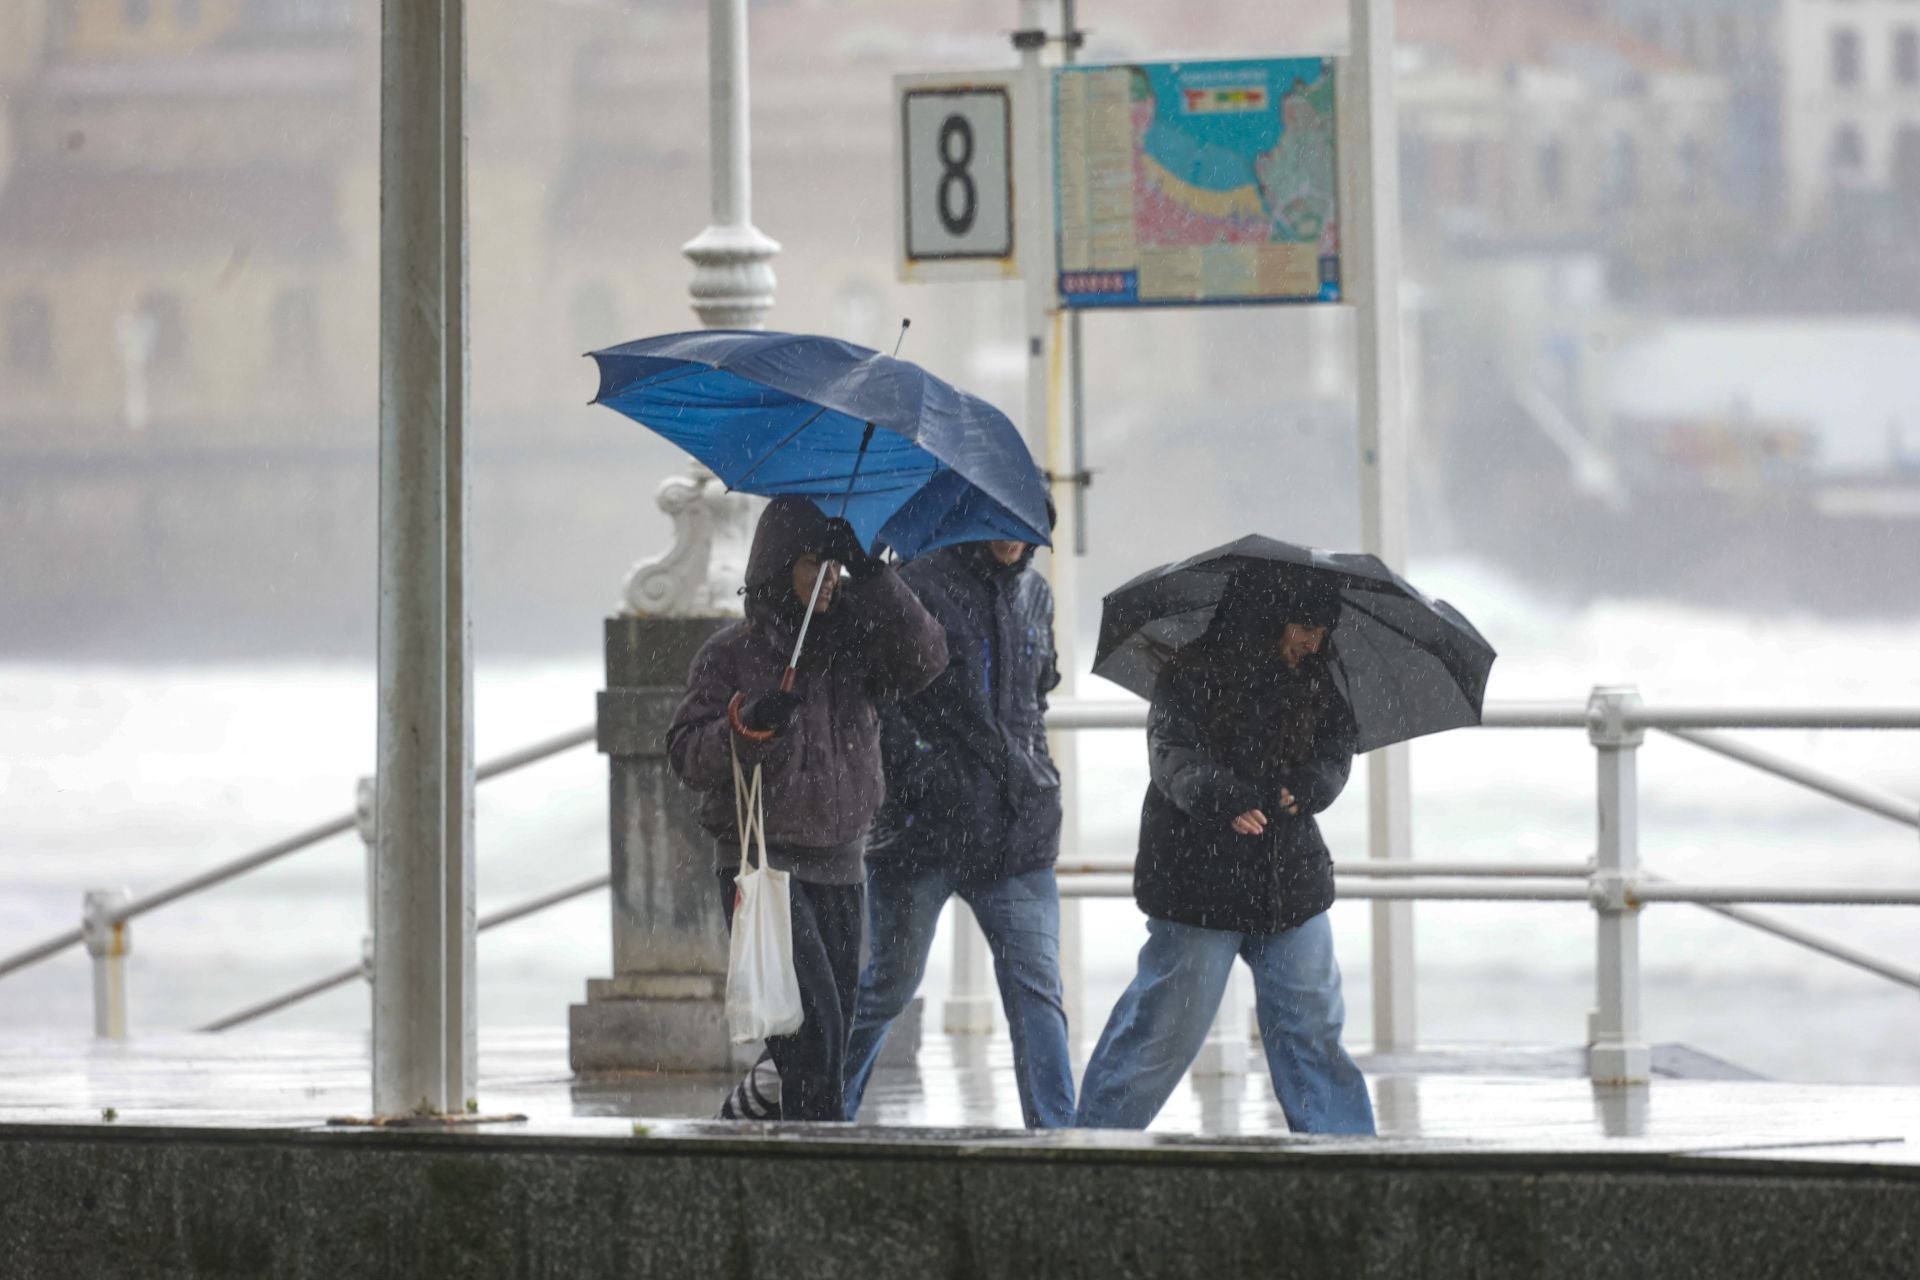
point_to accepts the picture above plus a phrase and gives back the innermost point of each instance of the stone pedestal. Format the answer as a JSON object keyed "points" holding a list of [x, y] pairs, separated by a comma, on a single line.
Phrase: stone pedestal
{"points": [[664, 1007]]}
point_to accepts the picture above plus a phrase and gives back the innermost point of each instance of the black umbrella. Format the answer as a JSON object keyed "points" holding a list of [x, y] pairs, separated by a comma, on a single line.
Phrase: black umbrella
{"points": [[1407, 665]]}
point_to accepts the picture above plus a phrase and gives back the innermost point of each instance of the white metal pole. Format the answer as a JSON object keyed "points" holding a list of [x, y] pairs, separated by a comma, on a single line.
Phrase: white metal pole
{"points": [[1616, 1053], [460, 1032], [423, 1028], [108, 941], [733, 279], [1370, 240], [1048, 438]]}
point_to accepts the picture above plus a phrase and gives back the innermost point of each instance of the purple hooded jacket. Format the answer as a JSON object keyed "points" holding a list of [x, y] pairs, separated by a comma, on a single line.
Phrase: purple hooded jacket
{"points": [[821, 776]]}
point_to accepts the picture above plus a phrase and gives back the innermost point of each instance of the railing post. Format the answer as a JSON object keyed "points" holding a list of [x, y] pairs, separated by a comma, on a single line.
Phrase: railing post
{"points": [[108, 941], [365, 822], [1616, 1052], [969, 1007]]}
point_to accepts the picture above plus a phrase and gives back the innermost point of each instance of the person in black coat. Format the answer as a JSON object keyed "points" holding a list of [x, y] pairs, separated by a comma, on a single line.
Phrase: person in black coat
{"points": [[1248, 739], [973, 809]]}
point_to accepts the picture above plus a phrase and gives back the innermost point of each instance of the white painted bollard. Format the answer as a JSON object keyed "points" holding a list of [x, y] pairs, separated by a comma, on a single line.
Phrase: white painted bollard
{"points": [[970, 998], [108, 940], [1225, 1052], [1616, 1051]]}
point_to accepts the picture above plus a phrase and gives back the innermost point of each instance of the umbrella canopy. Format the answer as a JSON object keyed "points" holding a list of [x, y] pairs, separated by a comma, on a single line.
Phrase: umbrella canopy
{"points": [[1407, 665], [910, 460]]}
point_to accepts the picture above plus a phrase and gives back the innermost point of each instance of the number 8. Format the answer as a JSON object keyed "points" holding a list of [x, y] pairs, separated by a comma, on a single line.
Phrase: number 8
{"points": [[953, 170]]}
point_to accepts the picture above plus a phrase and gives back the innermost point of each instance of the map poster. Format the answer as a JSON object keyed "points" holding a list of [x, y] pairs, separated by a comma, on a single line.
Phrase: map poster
{"points": [[1196, 183]]}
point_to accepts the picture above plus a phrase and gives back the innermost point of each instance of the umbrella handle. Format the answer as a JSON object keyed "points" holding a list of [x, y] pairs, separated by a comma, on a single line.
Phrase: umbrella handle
{"points": [[786, 680], [813, 601]]}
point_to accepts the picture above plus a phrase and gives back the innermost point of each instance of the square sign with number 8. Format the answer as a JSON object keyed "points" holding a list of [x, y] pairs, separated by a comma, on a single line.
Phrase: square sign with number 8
{"points": [[958, 188]]}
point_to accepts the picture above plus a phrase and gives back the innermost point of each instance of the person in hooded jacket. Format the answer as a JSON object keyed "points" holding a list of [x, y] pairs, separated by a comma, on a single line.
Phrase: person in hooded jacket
{"points": [[818, 747], [973, 809], [1248, 738]]}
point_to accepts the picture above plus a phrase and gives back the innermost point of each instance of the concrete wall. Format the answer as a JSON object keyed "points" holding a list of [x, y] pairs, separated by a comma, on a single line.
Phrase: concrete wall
{"points": [[92, 1201]]}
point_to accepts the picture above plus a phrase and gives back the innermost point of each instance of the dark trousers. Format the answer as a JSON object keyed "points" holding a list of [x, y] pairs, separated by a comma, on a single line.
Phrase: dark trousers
{"points": [[826, 958]]}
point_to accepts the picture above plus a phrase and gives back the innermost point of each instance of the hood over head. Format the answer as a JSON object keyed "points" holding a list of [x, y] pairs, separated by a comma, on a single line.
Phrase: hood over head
{"points": [[790, 527], [1253, 612], [987, 565]]}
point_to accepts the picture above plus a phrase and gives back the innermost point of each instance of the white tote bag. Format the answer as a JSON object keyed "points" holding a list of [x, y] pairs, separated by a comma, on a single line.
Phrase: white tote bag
{"points": [[763, 991]]}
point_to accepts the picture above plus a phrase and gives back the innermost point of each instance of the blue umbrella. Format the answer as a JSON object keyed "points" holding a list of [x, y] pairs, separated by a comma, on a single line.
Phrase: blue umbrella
{"points": [[906, 458]]}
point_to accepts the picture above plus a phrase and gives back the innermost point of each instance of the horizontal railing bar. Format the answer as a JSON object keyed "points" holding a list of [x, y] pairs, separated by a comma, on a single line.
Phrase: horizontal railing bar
{"points": [[1639, 892], [1381, 870], [1534, 715], [1089, 713], [238, 867], [42, 951], [1468, 870], [533, 754], [1121, 713], [1778, 895], [1113, 886], [508, 915], [1873, 800], [1683, 717], [320, 986], [282, 848], [1811, 941]]}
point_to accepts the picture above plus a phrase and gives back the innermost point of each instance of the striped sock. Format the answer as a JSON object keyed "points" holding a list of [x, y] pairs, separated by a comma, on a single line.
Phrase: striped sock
{"points": [[757, 1096]]}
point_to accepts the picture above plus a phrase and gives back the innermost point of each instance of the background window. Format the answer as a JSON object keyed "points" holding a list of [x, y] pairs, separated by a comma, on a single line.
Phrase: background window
{"points": [[1906, 161], [1552, 172], [1687, 160], [1844, 56], [169, 320], [1846, 154], [30, 336], [1623, 170], [293, 328]]}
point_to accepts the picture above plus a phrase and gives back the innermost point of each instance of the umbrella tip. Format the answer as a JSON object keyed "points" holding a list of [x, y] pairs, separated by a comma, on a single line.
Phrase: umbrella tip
{"points": [[906, 322]]}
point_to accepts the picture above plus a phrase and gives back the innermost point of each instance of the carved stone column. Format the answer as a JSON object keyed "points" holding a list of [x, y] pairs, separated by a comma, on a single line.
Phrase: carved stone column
{"points": [[663, 1007]]}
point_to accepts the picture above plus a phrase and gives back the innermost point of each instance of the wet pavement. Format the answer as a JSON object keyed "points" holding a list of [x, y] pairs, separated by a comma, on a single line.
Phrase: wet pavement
{"points": [[1496, 1100]]}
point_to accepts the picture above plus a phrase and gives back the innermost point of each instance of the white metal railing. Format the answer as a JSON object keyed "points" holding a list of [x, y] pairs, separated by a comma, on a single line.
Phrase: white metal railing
{"points": [[107, 913], [1614, 885]]}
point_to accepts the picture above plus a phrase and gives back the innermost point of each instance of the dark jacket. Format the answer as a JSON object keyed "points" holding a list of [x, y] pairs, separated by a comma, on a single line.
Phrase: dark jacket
{"points": [[1223, 738], [821, 776], [970, 782]]}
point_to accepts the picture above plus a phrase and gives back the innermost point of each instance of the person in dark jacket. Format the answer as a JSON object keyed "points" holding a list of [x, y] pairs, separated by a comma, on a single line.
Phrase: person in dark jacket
{"points": [[1248, 739], [818, 747], [973, 809]]}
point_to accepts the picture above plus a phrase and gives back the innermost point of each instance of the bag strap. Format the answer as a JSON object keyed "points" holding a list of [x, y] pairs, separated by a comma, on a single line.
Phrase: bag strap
{"points": [[749, 812]]}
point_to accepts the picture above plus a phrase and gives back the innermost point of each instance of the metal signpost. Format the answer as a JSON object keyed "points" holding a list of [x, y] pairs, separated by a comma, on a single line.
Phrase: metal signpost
{"points": [[1197, 183]]}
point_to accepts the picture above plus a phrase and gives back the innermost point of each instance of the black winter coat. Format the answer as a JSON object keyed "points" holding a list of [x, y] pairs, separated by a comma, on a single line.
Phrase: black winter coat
{"points": [[970, 783], [1221, 743]]}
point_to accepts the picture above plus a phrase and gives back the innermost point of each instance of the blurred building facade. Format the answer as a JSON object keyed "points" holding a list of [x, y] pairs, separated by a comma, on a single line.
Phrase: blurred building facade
{"points": [[189, 273]]}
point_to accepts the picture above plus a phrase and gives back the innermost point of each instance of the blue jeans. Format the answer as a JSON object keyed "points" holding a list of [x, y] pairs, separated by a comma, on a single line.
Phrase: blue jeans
{"points": [[1161, 1021], [1020, 916]]}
